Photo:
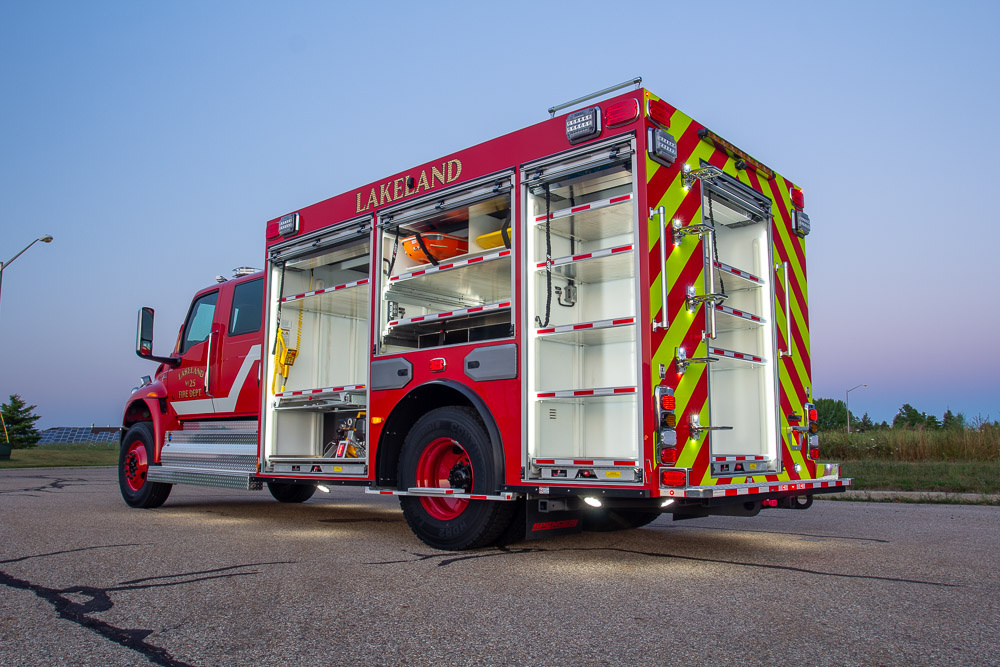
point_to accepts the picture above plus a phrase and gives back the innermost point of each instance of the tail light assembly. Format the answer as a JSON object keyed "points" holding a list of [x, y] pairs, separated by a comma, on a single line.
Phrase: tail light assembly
{"points": [[812, 422], [666, 424]]}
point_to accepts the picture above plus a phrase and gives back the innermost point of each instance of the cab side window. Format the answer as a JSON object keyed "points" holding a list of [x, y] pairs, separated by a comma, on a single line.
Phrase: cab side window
{"points": [[199, 321], [248, 307]]}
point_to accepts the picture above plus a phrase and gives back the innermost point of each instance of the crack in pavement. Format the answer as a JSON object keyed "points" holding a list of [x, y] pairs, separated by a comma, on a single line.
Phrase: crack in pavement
{"points": [[56, 484], [450, 558], [76, 603]]}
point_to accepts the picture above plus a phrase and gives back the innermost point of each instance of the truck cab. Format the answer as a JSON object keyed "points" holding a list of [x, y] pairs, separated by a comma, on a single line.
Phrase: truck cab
{"points": [[210, 382]]}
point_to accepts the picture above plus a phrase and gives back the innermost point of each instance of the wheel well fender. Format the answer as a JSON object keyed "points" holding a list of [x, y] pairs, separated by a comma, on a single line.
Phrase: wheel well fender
{"points": [[419, 401], [147, 409]]}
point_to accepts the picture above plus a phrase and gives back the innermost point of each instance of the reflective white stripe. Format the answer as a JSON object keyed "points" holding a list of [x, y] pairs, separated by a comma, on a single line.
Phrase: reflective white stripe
{"points": [[438, 492], [723, 490]]}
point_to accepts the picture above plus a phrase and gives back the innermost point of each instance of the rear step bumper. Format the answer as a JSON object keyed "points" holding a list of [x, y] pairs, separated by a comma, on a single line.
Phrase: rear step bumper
{"points": [[810, 487]]}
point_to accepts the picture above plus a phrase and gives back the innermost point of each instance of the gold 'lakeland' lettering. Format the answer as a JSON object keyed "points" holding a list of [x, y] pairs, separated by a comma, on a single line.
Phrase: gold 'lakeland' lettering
{"points": [[437, 175], [386, 193], [454, 169], [422, 183]]}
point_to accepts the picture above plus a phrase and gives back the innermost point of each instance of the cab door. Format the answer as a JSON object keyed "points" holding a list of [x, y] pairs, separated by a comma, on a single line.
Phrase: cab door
{"points": [[188, 383], [236, 385]]}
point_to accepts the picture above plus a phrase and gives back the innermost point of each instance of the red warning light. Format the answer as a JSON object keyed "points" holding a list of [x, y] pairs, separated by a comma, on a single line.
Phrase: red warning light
{"points": [[622, 112], [798, 198], [660, 112]]}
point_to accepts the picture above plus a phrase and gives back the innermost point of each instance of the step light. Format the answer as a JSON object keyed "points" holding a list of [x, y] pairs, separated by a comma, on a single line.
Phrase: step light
{"points": [[593, 502], [583, 125], [288, 225], [662, 146], [801, 223]]}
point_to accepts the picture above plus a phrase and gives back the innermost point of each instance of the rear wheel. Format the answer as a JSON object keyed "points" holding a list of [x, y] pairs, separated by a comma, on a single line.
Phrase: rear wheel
{"points": [[134, 459], [610, 520], [284, 492], [449, 448]]}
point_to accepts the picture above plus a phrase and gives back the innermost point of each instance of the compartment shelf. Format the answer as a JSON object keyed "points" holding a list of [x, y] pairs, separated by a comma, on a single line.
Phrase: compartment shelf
{"points": [[471, 259], [730, 360], [451, 314], [725, 270], [601, 332], [342, 300], [600, 392], [594, 221], [600, 265], [325, 398], [738, 316]]}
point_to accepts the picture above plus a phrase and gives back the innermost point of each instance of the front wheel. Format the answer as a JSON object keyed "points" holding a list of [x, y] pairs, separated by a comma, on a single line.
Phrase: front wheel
{"points": [[134, 459], [449, 448], [284, 492]]}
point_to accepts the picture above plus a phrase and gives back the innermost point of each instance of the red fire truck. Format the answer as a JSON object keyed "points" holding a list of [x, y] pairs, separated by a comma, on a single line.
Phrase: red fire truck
{"points": [[579, 325]]}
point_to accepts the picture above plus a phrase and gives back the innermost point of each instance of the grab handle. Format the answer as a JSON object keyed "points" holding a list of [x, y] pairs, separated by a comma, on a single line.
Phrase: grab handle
{"points": [[783, 267], [663, 322]]}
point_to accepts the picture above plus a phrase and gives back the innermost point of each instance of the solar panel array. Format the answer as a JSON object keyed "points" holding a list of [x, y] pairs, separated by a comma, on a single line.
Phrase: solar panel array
{"points": [[77, 434]]}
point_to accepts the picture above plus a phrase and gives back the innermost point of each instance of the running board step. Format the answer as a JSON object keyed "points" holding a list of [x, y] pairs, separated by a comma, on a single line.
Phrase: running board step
{"points": [[226, 479]]}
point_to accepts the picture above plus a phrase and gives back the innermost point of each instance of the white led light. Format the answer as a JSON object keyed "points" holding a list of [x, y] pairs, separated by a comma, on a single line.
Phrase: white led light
{"points": [[668, 501], [324, 489], [593, 502]]}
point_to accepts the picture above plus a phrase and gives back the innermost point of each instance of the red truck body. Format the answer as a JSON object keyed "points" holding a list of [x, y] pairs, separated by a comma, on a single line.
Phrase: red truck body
{"points": [[584, 323]]}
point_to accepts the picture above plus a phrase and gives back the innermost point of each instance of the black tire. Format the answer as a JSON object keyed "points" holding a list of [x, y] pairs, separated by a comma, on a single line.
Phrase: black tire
{"points": [[134, 458], [284, 492], [447, 523], [610, 520]]}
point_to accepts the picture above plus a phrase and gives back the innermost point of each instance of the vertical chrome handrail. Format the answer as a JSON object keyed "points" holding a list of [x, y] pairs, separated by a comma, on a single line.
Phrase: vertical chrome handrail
{"points": [[783, 267], [208, 365], [708, 248], [663, 323]]}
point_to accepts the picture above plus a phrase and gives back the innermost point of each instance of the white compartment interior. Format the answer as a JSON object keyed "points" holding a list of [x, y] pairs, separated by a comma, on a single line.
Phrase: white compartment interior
{"points": [[589, 428], [590, 290]]}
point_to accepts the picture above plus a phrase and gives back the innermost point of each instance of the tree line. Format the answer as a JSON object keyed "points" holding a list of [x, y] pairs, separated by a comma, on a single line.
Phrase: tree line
{"points": [[833, 416]]}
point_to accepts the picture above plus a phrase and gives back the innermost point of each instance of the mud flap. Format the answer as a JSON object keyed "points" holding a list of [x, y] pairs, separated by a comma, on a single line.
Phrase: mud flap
{"points": [[547, 518]]}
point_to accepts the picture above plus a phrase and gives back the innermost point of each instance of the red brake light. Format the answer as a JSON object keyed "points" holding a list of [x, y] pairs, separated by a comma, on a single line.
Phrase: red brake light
{"points": [[659, 112], [798, 198], [813, 415], [437, 365], [622, 112], [673, 478], [668, 456], [667, 402], [814, 453]]}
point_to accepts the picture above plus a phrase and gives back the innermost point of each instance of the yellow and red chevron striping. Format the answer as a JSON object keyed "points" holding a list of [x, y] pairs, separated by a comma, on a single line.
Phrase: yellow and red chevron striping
{"points": [[685, 266]]}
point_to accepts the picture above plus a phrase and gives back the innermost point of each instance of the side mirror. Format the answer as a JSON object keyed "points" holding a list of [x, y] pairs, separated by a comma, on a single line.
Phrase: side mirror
{"points": [[144, 339]]}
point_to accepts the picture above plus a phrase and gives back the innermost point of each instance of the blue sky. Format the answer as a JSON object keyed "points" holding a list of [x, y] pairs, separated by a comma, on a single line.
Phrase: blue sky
{"points": [[153, 140]]}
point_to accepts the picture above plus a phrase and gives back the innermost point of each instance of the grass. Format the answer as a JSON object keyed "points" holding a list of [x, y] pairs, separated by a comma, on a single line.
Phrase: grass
{"points": [[50, 456], [933, 476], [919, 444]]}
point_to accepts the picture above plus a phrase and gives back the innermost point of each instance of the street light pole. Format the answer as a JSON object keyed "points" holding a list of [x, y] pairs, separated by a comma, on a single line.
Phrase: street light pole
{"points": [[847, 400], [3, 265]]}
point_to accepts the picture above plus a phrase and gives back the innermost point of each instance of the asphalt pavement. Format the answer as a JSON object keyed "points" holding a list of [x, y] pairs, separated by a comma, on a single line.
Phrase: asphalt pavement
{"points": [[219, 577]]}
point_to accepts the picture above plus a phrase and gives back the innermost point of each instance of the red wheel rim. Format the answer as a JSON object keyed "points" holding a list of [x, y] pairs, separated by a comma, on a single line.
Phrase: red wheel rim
{"points": [[434, 468], [136, 465]]}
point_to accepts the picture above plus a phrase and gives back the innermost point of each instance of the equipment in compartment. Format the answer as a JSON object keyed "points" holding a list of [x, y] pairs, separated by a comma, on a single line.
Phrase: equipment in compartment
{"points": [[432, 248], [344, 435]]}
